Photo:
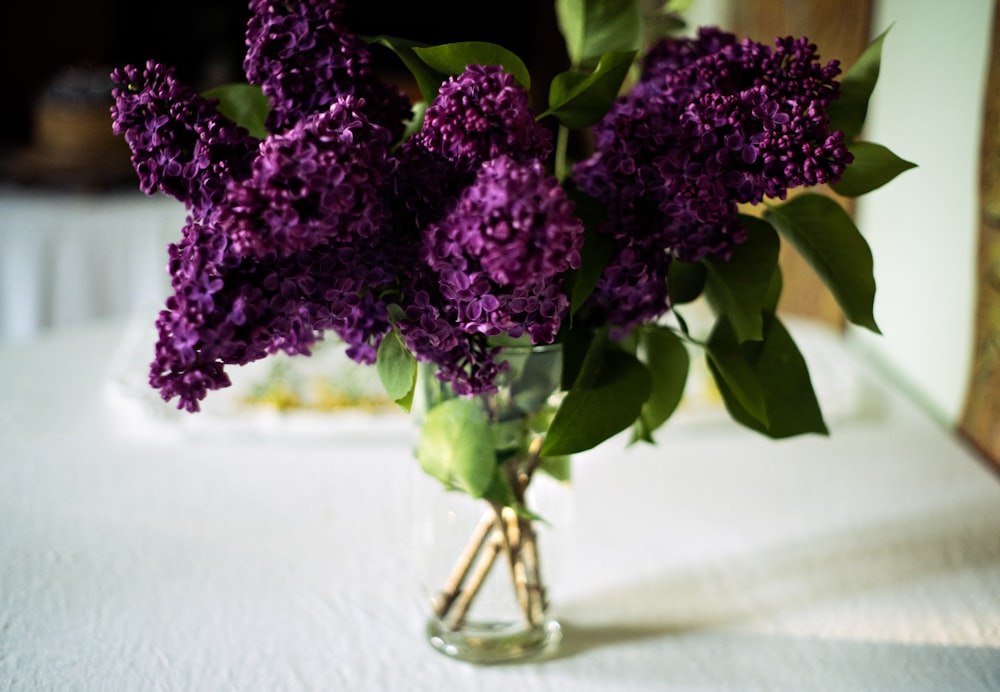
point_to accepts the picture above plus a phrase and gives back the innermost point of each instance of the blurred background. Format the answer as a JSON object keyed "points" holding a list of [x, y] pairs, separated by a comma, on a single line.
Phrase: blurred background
{"points": [[79, 242]]}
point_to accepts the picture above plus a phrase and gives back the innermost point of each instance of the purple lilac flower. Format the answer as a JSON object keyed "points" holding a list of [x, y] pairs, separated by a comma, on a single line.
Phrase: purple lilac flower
{"points": [[771, 124], [465, 361], [665, 58], [496, 262], [500, 253], [480, 115], [324, 179], [230, 309], [342, 283], [746, 115], [480, 124], [425, 187], [713, 123], [304, 58], [632, 290], [515, 222], [180, 144]]}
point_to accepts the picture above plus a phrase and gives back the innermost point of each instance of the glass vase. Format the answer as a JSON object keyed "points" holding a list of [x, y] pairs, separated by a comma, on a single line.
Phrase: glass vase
{"points": [[486, 565]]}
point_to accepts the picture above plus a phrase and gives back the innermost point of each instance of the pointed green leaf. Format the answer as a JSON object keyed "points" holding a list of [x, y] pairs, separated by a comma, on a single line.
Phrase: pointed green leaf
{"points": [[557, 467], [591, 28], [597, 250], [606, 398], [499, 490], [873, 166], [849, 110], [738, 287], [576, 341], [244, 104], [406, 401], [685, 280], [579, 100], [679, 6], [428, 79], [733, 372], [667, 359], [782, 376], [415, 123], [826, 237], [456, 446], [668, 20], [397, 368], [453, 58], [774, 289]]}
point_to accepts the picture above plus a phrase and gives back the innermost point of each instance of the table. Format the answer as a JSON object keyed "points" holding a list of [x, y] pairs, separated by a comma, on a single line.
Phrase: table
{"points": [[142, 554], [68, 258]]}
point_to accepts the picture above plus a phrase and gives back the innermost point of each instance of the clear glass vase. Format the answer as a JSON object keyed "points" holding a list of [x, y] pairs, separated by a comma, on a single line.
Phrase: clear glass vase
{"points": [[487, 565]]}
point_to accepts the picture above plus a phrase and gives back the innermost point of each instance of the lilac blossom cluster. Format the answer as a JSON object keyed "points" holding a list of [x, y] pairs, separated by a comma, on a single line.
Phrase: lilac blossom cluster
{"points": [[492, 231], [457, 234], [324, 179], [285, 236], [181, 145], [304, 58], [231, 309], [499, 255], [477, 116], [324, 226], [712, 123], [480, 115]]}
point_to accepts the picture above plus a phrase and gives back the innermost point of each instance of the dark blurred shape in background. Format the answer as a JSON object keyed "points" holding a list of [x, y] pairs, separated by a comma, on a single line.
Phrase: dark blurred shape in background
{"points": [[56, 55]]}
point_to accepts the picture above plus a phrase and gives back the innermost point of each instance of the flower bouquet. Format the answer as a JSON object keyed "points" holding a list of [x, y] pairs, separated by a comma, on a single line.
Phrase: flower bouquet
{"points": [[542, 282]]}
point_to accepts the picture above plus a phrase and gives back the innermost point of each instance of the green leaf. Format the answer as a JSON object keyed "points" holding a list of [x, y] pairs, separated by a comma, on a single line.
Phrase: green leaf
{"points": [[456, 446], [738, 287], [557, 467], [579, 100], [665, 26], [826, 237], [598, 248], [428, 79], [774, 289], [685, 280], [679, 6], [606, 398], [849, 110], [453, 58], [416, 123], [406, 402], [782, 378], [668, 362], [576, 341], [873, 166], [397, 368], [733, 372], [499, 490], [591, 28], [244, 104]]}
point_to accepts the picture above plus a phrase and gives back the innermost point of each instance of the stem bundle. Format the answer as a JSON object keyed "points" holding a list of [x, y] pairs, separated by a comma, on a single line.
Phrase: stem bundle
{"points": [[500, 528]]}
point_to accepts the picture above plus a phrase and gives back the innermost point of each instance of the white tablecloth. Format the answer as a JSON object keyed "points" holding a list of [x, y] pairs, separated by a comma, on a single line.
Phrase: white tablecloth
{"points": [[66, 259], [167, 556]]}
